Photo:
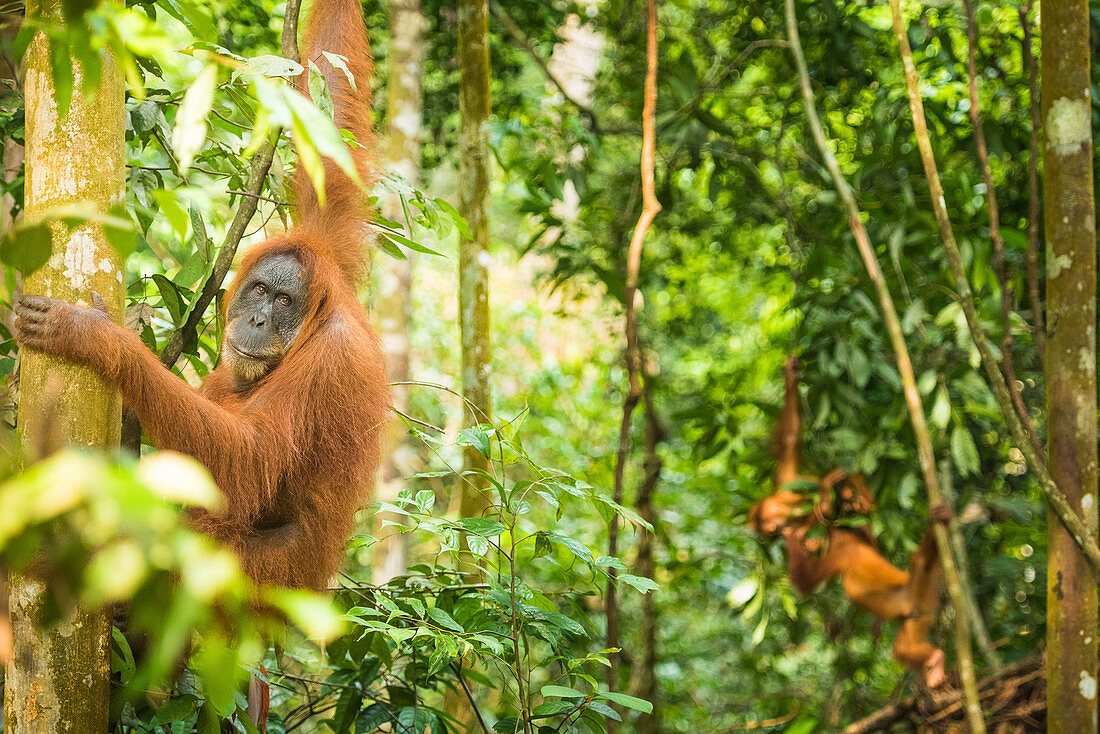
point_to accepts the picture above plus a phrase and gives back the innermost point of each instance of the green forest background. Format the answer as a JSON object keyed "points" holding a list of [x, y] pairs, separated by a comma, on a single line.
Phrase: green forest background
{"points": [[750, 259]]}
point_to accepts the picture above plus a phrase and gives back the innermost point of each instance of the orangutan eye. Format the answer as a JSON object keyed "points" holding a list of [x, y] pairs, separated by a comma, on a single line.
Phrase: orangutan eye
{"points": [[284, 300], [260, 289]]}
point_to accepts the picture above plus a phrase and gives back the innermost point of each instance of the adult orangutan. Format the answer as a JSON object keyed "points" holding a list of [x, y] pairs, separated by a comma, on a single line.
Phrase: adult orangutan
{"points": [[869, 580], [290, 422]]}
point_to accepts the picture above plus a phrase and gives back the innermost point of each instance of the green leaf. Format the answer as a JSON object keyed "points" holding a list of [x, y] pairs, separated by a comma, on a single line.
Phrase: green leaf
{"points": [[579, 549], [561, 692], [458, 219], [641, 583], [28, 248], [411, 244], [177, 709], [190, 131], [270, 65], [483, 526], [341, 63], [171, 209], [478, 545], [964, 452], [120, 231], [444, 619], [630, 702], [477, 437], [610, 562], [172, 300]]}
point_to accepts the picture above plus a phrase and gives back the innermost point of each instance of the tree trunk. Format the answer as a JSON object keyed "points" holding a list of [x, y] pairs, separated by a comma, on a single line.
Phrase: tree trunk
{"points": [[645, 670], [1070, 359], [403, 115], [58, 678], [473, 253], [473, 267]]}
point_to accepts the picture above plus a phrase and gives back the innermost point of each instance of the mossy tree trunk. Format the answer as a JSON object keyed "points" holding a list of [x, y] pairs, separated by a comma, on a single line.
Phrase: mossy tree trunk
{"points": [[473, 252], [58, 678], [473, 266], [403, 118], [1070, 360]]}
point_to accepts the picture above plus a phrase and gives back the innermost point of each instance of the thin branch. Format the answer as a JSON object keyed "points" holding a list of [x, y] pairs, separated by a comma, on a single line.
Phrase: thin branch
{"points": [[1033, 189], [999, 264], [259, 196], [1020, 436], [908, 378], [470, 698], [650, 208], [954, 531], [516, 32]]}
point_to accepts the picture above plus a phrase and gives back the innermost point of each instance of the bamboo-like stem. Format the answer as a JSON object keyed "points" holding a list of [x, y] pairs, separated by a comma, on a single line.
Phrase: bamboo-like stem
{"points": [[1081, 534], [974, 611], [999, 264], [908, 378], [650, 208], [1037, 319]]}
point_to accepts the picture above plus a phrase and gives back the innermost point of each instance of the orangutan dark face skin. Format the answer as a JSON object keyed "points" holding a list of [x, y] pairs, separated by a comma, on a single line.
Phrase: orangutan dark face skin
{"points": [[265, 316]]}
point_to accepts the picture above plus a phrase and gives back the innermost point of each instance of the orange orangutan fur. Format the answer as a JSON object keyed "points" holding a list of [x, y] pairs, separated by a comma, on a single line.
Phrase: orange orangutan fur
{"points": [[851, 553], [295, 452]]}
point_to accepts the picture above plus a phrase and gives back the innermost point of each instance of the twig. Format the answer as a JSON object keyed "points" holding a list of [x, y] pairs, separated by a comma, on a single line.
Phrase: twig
{"points": [[1020, 436], [1033, 189], [409, 418], [470, 697], [650, 207], [908, 378], [259, 196], [999, 264]]}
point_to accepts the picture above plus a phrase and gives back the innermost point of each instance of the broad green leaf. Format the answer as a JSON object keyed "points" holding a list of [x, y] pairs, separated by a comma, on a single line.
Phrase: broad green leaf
{"points": [[964, 452], [641, 583], [444, 619], [484, 526], [561, 692], [27, 248], [172, 300]]}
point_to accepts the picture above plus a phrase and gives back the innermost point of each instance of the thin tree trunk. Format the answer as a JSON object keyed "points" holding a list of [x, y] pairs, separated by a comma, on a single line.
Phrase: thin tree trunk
{"points": [[1070, 227], [403, 115], [999, 264], [1033, 188], [908, 378], [650, 208], [473, 272], [58, 678], [1083, 533], [645, 672]]}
